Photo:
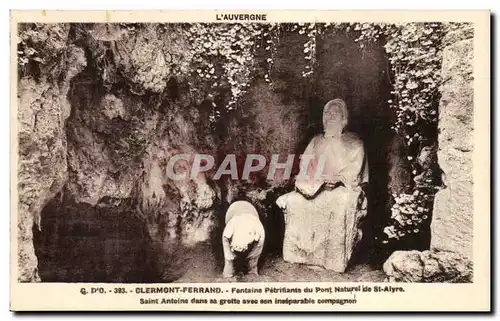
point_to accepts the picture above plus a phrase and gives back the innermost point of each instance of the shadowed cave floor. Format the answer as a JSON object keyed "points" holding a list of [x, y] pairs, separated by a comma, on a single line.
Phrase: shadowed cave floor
{"points": [[84, 261], [201, 267]]}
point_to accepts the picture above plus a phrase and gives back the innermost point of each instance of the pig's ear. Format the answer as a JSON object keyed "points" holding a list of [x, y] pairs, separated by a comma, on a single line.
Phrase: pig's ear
{"points": [[229, 230]]}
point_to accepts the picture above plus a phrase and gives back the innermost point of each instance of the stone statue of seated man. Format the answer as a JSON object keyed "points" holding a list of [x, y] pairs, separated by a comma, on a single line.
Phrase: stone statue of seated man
{"points": [[322, 216]]}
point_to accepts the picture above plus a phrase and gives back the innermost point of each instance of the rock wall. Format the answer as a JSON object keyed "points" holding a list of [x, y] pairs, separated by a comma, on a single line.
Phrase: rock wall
{"points": [[95, 136], [452, 225], [42, 111], [130, 116], [450, 257]]}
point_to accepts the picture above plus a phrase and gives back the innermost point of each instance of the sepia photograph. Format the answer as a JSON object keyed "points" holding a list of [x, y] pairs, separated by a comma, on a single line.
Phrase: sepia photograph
{"points": [[245, 151]]}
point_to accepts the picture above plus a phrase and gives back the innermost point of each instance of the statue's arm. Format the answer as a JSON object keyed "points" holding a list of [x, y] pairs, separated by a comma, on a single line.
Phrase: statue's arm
{"points": [[356, 172], [307, 160], [306, 182]]}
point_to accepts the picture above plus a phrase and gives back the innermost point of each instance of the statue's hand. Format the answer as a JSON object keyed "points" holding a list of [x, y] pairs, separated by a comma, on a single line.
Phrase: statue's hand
{"points": [[334, 179]]}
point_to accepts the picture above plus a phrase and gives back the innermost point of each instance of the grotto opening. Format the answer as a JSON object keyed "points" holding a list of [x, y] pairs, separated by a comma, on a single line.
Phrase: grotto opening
{"points": [[104, 107]]}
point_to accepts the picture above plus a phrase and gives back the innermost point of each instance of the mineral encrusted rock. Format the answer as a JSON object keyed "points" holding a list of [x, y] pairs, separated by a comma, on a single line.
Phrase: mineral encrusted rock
{"points": [[428, 267], [95, 144], [42, 172]]}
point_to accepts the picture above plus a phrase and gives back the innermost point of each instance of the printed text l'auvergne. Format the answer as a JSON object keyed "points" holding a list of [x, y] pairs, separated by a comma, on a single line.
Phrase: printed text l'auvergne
{"points": [[240, 17]]}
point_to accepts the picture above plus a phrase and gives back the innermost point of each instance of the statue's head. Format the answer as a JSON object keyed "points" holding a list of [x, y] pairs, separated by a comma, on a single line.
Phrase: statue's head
{"points": [[335, 117]]}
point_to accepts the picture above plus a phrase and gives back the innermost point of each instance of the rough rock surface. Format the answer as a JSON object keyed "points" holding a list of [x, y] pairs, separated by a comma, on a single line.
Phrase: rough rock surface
{"points": [[323, 231], [102, 145], [452, 226], [428, 266], [42, 172], [119, 147], [106, 135]]}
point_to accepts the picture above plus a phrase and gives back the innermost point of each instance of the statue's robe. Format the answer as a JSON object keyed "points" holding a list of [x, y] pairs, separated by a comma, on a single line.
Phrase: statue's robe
{"points": [[323, 216]]}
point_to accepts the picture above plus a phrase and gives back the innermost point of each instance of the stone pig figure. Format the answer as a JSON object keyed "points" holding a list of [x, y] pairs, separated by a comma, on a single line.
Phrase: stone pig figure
{"points": [[243, 236]]}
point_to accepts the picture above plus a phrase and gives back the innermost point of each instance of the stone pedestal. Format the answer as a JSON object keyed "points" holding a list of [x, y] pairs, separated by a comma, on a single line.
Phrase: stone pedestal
{"points": [[323, 231]]}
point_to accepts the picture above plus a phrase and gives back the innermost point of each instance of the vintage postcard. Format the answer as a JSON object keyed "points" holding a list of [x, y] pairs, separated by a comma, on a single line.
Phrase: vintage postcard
{"points": [[250, 161]]}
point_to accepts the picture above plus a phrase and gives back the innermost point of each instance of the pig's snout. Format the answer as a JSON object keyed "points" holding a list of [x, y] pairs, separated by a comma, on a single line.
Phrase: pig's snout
{"points": [[239, 248]]}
